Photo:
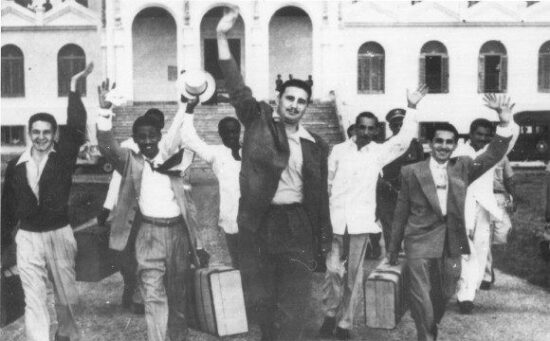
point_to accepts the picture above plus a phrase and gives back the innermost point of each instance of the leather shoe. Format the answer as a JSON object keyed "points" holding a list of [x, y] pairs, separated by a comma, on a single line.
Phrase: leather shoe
{"points": [[61, 338], [327, 329], [342, 334], [137, 309], [466, 307]]}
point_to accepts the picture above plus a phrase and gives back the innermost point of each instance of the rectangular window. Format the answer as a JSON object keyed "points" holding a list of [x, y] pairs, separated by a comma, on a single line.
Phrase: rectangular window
{"points": [[13, 78], [492, 73], [13, 135], [67, 67], [172, 73], [371, 74], [433, 73], [544, 73]]}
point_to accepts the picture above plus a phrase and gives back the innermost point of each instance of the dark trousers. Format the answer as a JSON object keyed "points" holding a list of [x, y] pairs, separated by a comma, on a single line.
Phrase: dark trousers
{"points": [[432, 282], [232, 241], [127, 264], [277, 267], [385, 209]]}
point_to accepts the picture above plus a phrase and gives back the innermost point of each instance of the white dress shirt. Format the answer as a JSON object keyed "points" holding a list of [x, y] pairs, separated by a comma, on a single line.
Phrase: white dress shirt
{"points": [[353, 174], [157, 199], [441, 180], [290, 188], [34, 170], [226, 169]]}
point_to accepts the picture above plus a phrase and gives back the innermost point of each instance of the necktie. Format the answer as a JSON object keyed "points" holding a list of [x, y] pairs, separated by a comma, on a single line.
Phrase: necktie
{"points": [[441, 177]]}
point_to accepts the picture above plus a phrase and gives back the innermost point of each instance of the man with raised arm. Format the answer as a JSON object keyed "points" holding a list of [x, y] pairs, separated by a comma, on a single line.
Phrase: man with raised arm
{"points": [[283, 211], [153, 195], [36, 197], [429, 216]]}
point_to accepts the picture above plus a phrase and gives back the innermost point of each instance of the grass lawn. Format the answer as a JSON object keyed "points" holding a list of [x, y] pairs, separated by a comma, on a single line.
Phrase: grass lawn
{"points": [[514, 310]]}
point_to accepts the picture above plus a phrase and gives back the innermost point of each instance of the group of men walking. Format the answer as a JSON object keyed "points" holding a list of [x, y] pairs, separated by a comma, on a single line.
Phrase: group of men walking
{"points": [[288, 208]]}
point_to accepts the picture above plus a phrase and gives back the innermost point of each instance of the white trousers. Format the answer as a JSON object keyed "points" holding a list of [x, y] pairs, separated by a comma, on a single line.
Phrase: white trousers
{"points": [[473, 265], [43, 257]]}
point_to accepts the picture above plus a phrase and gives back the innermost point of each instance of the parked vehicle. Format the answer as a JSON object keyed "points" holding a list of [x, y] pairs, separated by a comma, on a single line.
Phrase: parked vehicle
{"points": [[89, 155], [533, 143]]}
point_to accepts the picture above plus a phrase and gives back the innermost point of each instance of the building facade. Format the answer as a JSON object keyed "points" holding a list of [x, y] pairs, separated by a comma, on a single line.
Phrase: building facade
{"points": [[366, 53]]}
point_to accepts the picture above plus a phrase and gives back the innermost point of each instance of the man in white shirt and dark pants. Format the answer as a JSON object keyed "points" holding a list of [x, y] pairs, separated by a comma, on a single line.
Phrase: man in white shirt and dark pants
{"points": [[353, 169], [225, 160]]}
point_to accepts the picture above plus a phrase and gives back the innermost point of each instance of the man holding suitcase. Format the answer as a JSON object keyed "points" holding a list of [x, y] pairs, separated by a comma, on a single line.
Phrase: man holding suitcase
{"points": [[283, 213], [430, 216], [36, 196]]}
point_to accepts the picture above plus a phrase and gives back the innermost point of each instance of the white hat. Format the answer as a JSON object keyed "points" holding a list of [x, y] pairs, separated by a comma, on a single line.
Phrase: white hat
{"points": [[192, 83]]}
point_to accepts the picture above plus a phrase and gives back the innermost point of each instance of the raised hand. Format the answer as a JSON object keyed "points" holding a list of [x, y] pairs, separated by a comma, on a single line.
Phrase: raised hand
{"points": [[102, 92], [415, 97], [191, 104], [226, 23], [82, 74], [502, 105]]}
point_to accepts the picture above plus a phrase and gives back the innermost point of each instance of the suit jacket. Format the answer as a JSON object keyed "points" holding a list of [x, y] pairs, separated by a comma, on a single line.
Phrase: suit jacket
{"points": [[265, 156], [130, 166], [418, 218]]}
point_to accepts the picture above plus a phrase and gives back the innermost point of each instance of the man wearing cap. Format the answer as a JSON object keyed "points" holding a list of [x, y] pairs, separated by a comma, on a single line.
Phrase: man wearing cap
{"points": [[388, 183], [353, 168], [167, 241], [283, 213]]}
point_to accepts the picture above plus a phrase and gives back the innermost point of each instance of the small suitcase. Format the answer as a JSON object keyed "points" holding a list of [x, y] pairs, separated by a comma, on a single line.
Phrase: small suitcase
{"points": [[94, 259], [385, 295], [219, 301], [12, 298]]}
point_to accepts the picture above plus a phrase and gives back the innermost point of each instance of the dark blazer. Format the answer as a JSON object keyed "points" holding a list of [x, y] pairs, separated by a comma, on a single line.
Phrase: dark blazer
{"points": [[265, 156], [50, 212], [418, 218]]}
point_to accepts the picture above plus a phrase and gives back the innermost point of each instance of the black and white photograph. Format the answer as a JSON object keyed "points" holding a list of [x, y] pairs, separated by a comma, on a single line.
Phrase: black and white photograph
{"points": [[275, 170]]}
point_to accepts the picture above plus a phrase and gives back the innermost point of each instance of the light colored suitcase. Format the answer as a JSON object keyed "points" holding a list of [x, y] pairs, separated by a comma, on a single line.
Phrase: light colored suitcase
{"points": [[385, 295], [219, 301]]}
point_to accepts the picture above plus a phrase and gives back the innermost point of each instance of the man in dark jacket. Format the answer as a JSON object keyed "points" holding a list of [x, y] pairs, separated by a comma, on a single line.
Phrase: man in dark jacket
{"points": [[283, 210], [36, 198]]}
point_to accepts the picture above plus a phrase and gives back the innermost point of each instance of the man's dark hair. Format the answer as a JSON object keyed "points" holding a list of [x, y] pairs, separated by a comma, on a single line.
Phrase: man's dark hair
{"points": [[144, 121], [156, 114], [225, 121], [442, 126], [42, 116], [484, 123], [366, 114], [297, 83], [350, 130]]}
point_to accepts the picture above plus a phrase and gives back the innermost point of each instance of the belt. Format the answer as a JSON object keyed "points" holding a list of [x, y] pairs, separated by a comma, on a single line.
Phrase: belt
{"points": [[286, 206], [162, 222]]}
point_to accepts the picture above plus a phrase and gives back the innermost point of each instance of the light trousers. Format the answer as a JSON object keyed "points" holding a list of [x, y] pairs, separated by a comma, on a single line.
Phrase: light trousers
{"points": [[343, 289], [473, 265], [42, 257], [163, 257]]}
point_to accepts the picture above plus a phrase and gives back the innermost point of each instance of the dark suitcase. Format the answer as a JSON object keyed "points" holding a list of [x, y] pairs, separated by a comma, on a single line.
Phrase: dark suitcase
{"points": [[385, 295], [12, 298], [94, 259], [219, 301]]}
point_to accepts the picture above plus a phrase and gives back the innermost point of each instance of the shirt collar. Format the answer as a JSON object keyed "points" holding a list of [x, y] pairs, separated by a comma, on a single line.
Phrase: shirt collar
{"points": [[436, 165], [27, 155], [301, 133], [157, 160]]}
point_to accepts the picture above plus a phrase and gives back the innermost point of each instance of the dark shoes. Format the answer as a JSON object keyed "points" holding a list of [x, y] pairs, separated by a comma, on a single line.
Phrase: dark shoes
{"points": [[61, 338], [466, 307], [327, 329], [342, 334], [134, 308], [485, 285]]}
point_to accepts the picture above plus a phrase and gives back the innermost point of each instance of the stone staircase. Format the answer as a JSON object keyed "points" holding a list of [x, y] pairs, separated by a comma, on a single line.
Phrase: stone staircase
{"points": [[320, 118]]}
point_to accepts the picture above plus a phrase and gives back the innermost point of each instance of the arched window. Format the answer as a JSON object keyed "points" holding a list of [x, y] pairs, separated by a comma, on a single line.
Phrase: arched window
{"points": [[544, 67], [492, 68], [70, 60], [13, 72], [370, 68], [434, 67]]}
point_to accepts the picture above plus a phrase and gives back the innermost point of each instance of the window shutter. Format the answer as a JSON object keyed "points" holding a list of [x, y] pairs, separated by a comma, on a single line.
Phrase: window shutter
{"points": [[382, 74], [444, 74], [541, 73], [422, 70], [544, 73], [481, 74], [503, 73], [360, 67]]}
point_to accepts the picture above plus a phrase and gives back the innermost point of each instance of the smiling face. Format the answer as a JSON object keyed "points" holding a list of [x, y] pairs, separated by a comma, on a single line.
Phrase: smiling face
{"points": [[365, 130], [42, 135], [292, 105], [443, 144], [147, 138]]}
